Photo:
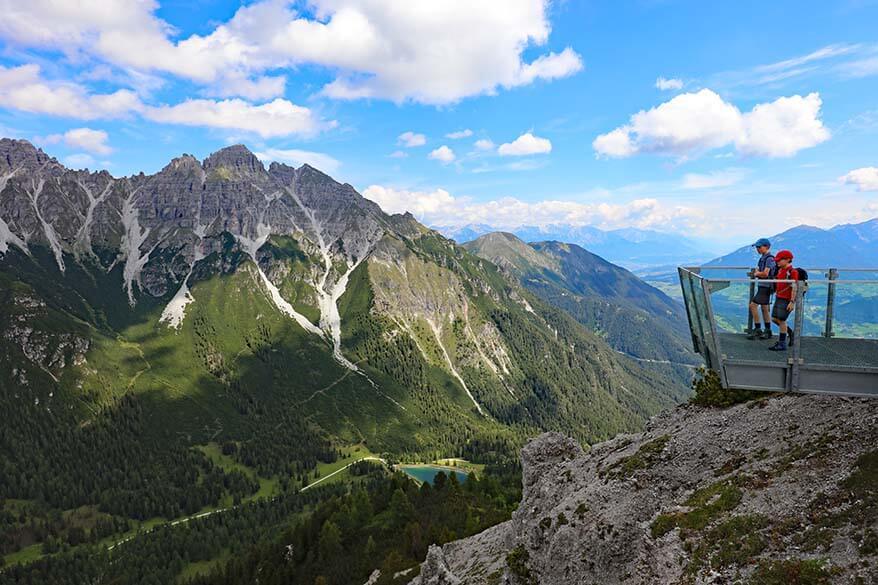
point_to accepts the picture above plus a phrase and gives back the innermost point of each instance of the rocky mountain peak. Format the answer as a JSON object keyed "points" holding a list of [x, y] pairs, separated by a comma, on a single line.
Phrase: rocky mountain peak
{"points": [[22, 155], [184, 162], [236, 157]]}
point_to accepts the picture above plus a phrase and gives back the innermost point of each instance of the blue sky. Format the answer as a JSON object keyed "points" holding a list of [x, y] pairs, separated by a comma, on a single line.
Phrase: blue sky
{"points": [[768, 117]]}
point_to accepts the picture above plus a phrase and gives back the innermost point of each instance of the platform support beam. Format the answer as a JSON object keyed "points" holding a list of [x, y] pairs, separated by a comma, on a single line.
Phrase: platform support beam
{"points": [[798, 333]]}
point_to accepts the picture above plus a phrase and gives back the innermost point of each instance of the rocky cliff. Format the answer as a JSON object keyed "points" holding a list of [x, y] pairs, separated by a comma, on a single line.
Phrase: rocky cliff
{"points": [[780, 490]]}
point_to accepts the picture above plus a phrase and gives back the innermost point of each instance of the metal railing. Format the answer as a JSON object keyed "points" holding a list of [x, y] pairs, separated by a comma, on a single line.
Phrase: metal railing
{"points": [[710, 331]]}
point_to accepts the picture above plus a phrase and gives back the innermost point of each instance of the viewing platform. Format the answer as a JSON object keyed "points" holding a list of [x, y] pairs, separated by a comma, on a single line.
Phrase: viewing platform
{"points": [[835, 346]]}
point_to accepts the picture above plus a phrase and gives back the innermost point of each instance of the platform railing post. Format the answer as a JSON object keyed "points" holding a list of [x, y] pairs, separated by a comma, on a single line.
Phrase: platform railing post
{"points": [[798, 332], [830, 302], [751, 275]]}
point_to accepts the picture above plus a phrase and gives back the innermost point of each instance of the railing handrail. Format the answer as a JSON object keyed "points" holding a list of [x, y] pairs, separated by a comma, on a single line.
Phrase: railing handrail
{"points": [[814, 268], [810, 281], [694, 271]]}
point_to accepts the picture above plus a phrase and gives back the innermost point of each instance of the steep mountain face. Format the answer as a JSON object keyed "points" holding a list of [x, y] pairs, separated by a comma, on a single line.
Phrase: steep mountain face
{"points": [[632, 316], [630, 247], [278, 310], [777, 491]]}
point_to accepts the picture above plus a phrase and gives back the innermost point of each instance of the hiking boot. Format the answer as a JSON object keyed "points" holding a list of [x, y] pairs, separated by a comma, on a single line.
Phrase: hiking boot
{"points": [[766, 334], [779, 346], [754, 334]]}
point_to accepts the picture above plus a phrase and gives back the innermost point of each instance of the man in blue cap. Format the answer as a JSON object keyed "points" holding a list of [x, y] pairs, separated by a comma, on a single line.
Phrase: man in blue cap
{"points": [[762, 298]]}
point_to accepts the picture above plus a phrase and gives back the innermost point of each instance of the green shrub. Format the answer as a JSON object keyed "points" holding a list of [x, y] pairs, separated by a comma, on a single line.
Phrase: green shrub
{"points": [[709, 391], [792, 572], [736, 541], [706, 505], [647, 455], [517, 560]]}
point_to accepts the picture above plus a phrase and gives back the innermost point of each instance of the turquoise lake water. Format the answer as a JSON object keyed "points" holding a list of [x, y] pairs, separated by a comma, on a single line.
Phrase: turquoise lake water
{"points": [[427, 473]]}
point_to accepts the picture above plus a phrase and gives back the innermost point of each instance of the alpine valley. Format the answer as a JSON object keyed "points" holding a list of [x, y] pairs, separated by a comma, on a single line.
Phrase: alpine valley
{"points": [[221, 333]]}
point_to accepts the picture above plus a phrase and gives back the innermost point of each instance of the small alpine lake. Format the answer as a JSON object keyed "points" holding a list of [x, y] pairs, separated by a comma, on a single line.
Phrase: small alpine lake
{"points": [[428, 473]]}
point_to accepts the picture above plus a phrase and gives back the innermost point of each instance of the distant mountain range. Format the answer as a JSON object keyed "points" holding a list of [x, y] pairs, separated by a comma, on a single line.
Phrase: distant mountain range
{"points": [[630, 247], [843, 246]]}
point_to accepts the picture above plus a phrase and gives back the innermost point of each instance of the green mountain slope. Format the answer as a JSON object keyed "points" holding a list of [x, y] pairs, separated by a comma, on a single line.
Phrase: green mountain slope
{"points": [[632, 316]]}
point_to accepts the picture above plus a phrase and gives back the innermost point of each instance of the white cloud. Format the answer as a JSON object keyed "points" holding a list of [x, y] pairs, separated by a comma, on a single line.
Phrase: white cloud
{"points": [[81, 138], [79, 161], [443, 154], [693, 123], [419, 203], [260, 88], [441, 209], [411, 139], [714, 180], [861, 67], [276, 118], [484, 144], [459, 134], [668, 84], [398, 154], [318, 160], [23, 88], [615, 144], [866, 178], [551, 66], [524, 145], [831, 57], [429, 52], [783, 127]]}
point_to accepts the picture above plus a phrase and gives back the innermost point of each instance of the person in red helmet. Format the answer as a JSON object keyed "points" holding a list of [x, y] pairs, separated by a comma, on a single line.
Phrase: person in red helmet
{"points": [[784, 297]]}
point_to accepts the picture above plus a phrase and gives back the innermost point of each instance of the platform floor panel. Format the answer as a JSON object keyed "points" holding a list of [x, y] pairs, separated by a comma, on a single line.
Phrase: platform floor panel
{"points": [[815, 350]]}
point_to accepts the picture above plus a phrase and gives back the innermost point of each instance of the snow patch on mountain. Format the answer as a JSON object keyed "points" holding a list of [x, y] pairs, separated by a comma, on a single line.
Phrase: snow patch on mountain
{"points": [[83, 236], [437, 332], [251, 246], [132, 239], [48, 229]]}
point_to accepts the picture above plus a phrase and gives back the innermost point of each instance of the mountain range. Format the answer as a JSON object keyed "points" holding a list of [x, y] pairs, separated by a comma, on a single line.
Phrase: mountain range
{"points": [[634, 317], [629, 247], [274, 311], [842, 246]]}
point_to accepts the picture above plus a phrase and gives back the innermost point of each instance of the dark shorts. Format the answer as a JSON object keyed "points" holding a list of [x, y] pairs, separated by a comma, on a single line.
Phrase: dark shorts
{"points": [[762, 296], [779, 311]]}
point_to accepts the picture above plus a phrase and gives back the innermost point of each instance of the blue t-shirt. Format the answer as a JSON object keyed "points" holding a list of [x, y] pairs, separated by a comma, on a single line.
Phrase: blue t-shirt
{"points": [[767, 261]]}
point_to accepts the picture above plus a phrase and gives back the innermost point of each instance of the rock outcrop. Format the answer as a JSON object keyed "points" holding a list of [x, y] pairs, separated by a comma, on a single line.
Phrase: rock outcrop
{"points": [[779, 490]]}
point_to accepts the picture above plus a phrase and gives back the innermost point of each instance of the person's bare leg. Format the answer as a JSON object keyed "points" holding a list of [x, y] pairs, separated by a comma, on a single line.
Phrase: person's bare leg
{"points": [[754, 310], [782, 325], [766, 315]]}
